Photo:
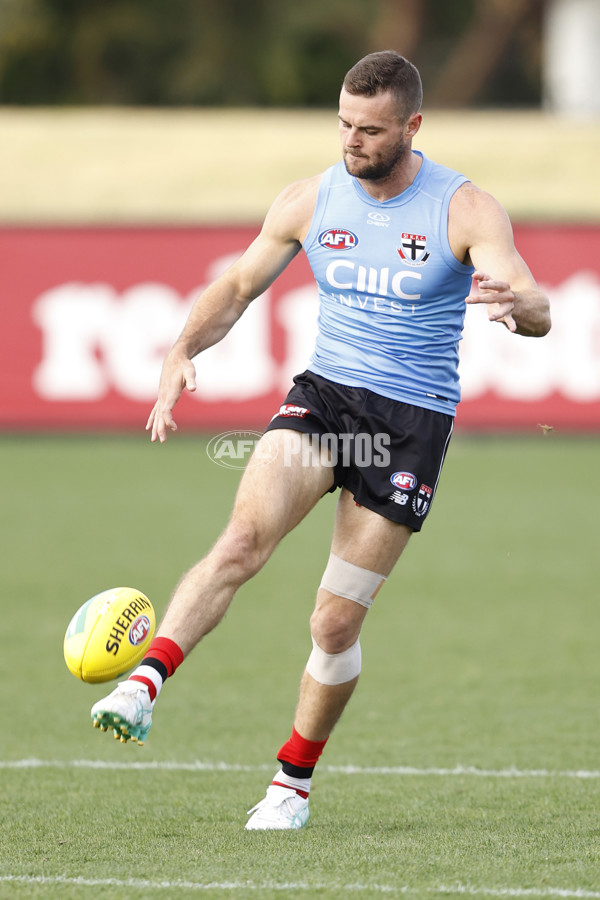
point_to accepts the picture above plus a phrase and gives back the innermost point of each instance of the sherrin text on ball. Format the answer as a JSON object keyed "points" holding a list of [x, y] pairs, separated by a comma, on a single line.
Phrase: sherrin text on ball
{"points": [[109, 634]]}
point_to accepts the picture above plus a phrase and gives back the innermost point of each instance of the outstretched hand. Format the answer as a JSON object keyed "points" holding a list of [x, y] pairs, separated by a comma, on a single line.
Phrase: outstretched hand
{"points": [[497, 295], [177, 374]]}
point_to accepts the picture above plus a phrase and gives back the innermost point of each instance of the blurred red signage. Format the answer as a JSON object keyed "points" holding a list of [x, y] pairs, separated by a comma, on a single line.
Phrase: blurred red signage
{"points": [[89, 313]]}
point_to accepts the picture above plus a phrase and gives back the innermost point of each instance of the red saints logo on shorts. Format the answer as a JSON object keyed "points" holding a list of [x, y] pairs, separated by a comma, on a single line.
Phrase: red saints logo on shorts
{"points": [[289, 409], [413, 249], [422, 501]]}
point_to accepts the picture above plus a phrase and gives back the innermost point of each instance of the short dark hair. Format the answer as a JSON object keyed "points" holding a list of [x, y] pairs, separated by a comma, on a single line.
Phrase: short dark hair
{"points": [[383, 71]]}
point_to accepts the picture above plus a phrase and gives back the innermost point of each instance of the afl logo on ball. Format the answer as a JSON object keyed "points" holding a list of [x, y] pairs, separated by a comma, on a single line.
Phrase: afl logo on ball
{"points": [[139, 630], [338, 239]]}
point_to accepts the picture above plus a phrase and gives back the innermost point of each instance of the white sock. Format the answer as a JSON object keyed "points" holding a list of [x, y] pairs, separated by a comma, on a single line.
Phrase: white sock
{"points": [[298, 784], [148, 673]]}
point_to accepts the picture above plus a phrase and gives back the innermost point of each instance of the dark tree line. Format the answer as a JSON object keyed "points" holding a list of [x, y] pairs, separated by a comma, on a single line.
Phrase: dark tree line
{"points": [[261, 52]]}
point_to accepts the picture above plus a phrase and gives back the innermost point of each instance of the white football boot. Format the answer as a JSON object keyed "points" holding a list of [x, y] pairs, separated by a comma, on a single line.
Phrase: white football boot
{"points": [[281, 809], [128, 711]]}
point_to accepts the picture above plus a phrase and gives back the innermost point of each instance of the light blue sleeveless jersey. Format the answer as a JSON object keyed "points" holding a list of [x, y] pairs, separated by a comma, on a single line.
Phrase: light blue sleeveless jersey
{"points": [[392, 294]]}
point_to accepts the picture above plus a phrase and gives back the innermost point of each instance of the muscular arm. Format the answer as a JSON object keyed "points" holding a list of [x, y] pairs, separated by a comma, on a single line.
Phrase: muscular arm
{"points": [[480, 232], [221, 305]]}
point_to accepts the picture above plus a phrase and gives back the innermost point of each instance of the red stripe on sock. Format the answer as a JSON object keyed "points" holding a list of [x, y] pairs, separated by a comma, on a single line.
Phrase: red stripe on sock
{"points": [[300, 793], [167, 652], [301, 752], [149, 684]]}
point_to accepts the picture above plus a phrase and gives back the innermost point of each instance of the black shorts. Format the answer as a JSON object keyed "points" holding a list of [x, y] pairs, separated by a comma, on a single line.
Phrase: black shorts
{"points": [[389, 454]]}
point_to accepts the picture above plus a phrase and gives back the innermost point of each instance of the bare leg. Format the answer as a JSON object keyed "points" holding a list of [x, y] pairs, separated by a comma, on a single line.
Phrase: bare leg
{"points": [[276, 491], [374, 543], [371, 542], [320, 706], [273, 497]]}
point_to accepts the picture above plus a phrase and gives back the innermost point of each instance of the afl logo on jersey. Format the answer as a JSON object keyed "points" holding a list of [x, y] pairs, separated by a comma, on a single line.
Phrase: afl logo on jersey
{"points": [[338, 239]]}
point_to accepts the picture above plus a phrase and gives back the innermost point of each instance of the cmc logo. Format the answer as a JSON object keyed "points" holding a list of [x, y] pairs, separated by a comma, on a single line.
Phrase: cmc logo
{"points": [[139, 630], [404, 480], [338, 239]]}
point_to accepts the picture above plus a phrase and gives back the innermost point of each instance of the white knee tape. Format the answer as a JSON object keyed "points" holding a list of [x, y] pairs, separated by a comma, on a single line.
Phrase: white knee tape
{"points": [[334, 668], [352, 582]]}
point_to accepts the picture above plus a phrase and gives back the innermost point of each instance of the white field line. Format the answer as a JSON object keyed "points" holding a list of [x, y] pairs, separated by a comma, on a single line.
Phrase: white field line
{"points": [[233, 886], [199, 766]]}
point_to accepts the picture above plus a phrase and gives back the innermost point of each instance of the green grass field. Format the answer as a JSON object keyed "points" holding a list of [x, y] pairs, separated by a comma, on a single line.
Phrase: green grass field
{"points": [[467, 763]]}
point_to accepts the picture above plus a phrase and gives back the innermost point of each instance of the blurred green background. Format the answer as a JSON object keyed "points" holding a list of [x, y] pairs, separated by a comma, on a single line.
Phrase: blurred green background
{"points": [[267, 52], [179, 111]]}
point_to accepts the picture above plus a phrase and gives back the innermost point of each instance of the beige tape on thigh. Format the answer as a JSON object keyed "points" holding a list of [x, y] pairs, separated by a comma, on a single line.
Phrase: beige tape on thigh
{"points": [[352, 582]]}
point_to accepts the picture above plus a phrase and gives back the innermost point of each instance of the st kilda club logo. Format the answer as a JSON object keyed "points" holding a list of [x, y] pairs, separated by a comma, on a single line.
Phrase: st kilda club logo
{"points": [[413, 249], [422, 501]]}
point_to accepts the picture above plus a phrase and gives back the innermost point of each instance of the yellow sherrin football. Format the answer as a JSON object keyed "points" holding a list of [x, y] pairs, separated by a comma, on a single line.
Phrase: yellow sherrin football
{"points": [[109, 634]]}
